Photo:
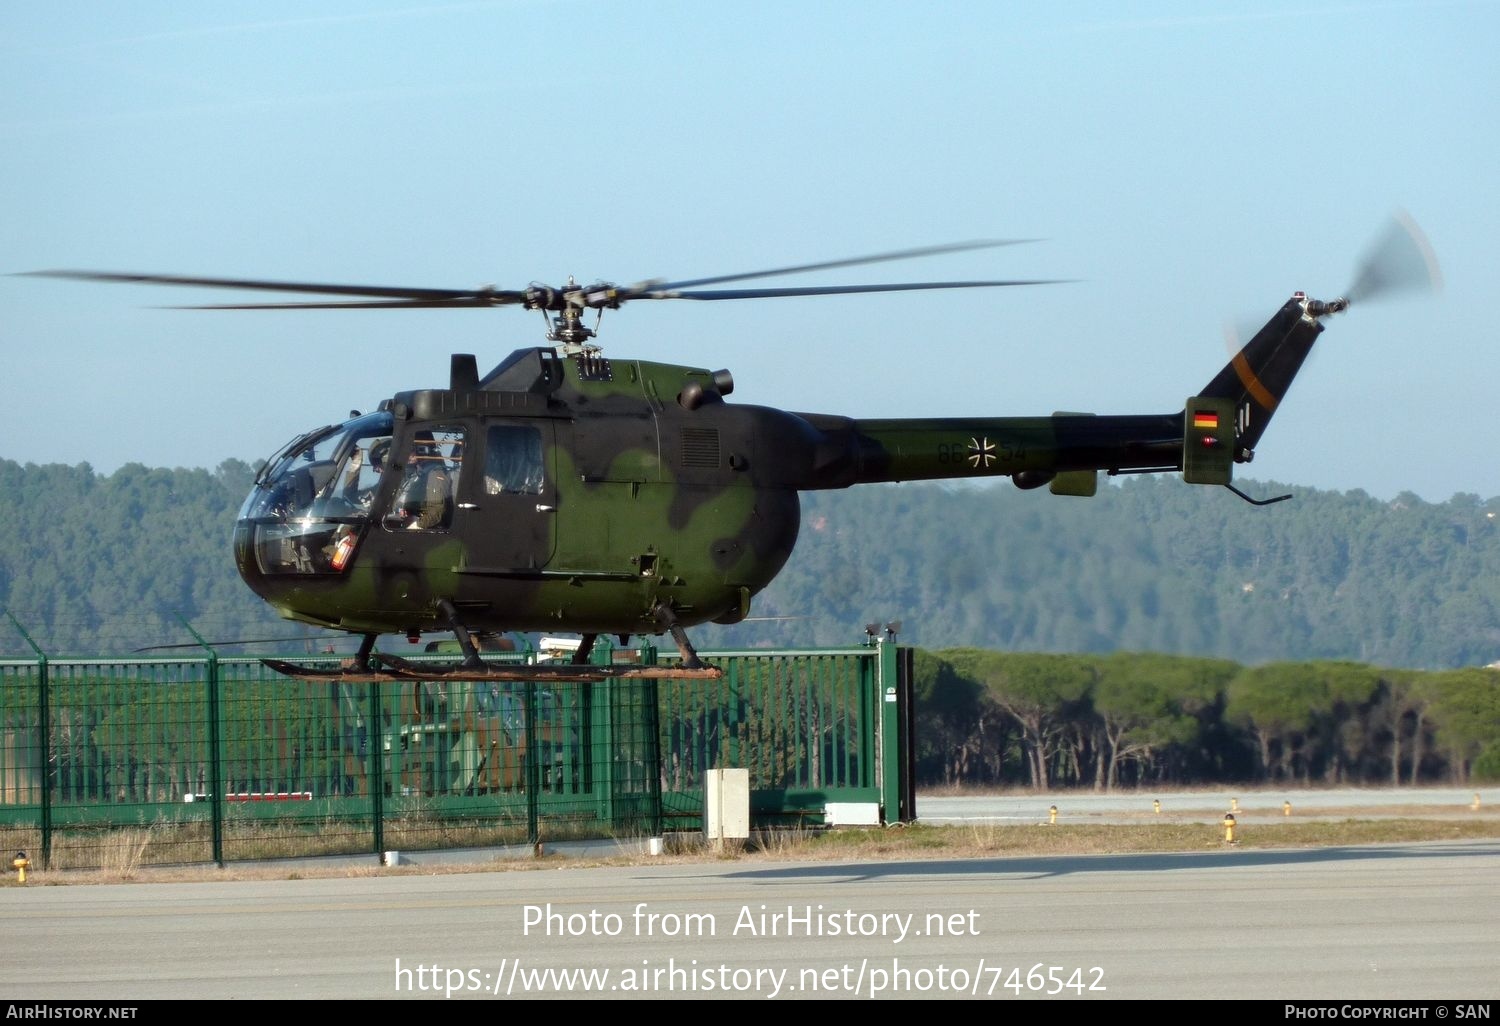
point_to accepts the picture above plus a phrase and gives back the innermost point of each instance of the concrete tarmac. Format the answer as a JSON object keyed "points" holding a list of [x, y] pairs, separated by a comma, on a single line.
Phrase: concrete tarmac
{"points": [[1399, 922]]}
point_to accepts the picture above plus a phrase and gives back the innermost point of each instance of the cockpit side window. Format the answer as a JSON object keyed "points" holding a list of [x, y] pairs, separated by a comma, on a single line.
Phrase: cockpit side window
{"points": [[424, 500], [359, 475], [513, 460]]}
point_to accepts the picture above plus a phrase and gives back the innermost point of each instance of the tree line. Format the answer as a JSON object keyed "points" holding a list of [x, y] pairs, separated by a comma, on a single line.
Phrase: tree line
{"points": [[94, 564], [1130, 719]]}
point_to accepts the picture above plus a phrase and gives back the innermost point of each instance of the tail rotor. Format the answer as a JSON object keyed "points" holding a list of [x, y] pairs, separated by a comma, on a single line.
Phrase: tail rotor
{"points": [[1400, 262]]}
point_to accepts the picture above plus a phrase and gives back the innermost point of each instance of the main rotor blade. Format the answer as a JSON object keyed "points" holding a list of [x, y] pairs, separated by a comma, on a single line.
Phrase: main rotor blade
{"points": [[900, 254], [403, 295], [834, 290], [222, 644], [470, 300], [598, 295]]}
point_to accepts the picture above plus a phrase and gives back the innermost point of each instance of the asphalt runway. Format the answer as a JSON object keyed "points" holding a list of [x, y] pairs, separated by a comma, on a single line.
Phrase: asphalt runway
{"points": [[1417, 922]]}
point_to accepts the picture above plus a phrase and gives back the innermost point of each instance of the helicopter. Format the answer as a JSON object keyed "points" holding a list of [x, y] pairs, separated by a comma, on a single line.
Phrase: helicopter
{"points": [[566, 491]]}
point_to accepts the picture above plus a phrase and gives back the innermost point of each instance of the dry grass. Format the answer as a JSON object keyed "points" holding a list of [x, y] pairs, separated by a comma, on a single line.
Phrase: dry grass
{"points": [[904, 843], [124, 852]]}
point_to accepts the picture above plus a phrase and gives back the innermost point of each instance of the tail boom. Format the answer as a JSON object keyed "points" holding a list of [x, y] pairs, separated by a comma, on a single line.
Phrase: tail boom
{"points": [[1219, 426]]}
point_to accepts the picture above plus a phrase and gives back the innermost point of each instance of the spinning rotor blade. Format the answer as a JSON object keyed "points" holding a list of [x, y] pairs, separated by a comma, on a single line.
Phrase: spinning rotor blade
{"points": [[224, 644], [391, 296], [569, 299], [1400, 261], [900, 254], [829, 290]]}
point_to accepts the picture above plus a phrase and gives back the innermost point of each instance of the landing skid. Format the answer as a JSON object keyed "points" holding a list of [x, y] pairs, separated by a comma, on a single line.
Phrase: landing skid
{"points": [[370, 667], [387, 668]]}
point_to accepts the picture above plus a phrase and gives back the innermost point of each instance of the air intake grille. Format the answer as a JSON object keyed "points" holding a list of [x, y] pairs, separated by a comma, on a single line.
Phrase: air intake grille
{"points": [[700, 447]]}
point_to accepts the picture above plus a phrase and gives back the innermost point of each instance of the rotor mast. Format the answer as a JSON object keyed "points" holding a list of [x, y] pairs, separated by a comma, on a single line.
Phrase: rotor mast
{"points": [[566, 330]]}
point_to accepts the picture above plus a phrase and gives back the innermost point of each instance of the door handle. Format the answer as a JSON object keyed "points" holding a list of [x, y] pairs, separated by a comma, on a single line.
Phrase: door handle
{"points": [[468, 505], [541, 508]]}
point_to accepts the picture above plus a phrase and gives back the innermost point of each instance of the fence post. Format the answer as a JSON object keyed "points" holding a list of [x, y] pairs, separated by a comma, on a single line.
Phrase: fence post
{"points": [[44, 730], [650, 728], [533, 775], [908, 703], [215, 746], [375, 742], [599, 699]]}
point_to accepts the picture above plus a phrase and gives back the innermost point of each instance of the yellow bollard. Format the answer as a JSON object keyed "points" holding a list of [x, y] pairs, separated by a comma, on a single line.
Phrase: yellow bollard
{"points": [[1156, 804], [1475, 806], [1052, 814], [1234, 805], [20, 864], [1228, 829], [1286, 808]]}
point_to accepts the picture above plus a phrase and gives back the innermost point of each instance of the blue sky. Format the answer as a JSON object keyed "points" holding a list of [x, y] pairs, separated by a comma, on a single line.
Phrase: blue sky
{"points": [[1186, 165]]}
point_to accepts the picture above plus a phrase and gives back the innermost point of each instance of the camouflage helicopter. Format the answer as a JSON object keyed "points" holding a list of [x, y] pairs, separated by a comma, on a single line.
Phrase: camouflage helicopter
{"points": [[565, 491]]}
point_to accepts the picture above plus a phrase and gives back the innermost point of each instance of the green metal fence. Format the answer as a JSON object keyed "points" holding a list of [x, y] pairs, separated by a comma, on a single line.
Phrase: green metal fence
{"points": [[116, 763]]}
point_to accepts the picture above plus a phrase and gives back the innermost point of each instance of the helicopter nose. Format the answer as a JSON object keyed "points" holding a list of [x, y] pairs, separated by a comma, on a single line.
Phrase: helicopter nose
{"points": [[244, 557]]}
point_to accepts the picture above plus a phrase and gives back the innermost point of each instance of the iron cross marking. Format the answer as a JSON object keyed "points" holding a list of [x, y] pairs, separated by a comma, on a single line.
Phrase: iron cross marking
{"points": [[981, 452]]}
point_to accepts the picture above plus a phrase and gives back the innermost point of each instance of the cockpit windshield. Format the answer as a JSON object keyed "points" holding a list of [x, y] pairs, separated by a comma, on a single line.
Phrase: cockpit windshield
{"points": [[315, 492]]}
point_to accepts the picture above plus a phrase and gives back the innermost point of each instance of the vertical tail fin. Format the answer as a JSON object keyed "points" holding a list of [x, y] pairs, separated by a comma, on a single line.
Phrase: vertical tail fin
{"points": [[1256, 379]]}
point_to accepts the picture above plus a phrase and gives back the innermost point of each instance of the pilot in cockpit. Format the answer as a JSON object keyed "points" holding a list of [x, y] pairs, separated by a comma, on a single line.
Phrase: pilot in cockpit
{"points": [[427, 487], [362, 479]]}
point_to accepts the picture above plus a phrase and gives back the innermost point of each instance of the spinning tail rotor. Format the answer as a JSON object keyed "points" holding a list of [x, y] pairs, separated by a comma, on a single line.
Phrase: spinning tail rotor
{"points": [[1400, 262]]}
